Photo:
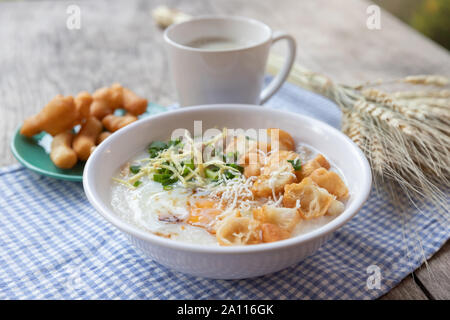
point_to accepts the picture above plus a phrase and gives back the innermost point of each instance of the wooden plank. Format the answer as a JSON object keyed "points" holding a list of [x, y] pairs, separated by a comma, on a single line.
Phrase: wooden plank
{"points": [[435, 276], [118, 41], [407, 289]]}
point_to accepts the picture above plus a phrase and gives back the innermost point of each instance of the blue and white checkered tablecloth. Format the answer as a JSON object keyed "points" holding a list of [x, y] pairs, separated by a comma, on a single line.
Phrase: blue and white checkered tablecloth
{"points": [[53, 245]]}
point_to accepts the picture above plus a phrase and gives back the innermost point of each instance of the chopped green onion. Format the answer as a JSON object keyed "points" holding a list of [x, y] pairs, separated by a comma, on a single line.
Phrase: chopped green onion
{"points": [[169, 181], [160, 177], [214, 168], [237, 167], [165, 170], [158, 145], [296, 164], [164, 176], [135, 169], [155, 147], [174, 142], [137, 183], [153, 153], [189, 166], [231, 156], [168, 187], [229, 175], [211, 174]]}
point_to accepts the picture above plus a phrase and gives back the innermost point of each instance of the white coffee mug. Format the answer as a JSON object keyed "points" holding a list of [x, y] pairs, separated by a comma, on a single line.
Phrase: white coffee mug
{"points": [[224, 75]]}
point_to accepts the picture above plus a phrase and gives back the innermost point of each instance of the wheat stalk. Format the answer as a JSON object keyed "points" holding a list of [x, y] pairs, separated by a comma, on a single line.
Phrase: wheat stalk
{"points": [[405, 134], [421, 94], [434, 80]]}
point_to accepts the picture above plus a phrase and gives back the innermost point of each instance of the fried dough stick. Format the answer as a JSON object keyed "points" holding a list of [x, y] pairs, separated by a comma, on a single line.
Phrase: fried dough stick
{"points": [[133, 103], [83, 104], [106, 100], [87, 137], [113, 123], [102, 137], [62, 154], [58, 116]]}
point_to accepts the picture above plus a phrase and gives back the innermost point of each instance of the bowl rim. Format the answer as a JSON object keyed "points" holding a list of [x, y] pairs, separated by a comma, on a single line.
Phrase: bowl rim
{"points": [[110, 216]]}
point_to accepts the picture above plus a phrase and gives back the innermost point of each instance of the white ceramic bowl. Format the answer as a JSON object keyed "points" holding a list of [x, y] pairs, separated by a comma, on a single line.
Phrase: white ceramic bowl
{"points": [[226, 262]]}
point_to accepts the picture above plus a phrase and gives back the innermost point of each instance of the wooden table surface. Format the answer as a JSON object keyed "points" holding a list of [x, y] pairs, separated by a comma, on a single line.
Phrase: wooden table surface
{"points": [[118, 42]]}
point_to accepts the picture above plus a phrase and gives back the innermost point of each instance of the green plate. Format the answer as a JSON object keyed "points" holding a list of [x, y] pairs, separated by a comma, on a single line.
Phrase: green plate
{"points": [[33, 152]]}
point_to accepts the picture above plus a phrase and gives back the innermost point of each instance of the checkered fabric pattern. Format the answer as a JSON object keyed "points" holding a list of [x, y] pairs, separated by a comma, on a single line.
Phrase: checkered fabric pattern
{"points": [[53, 245]]}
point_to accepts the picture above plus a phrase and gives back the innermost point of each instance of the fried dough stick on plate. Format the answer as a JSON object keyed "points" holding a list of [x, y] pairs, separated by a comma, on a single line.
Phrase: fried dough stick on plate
{"points": [[58, 116]]}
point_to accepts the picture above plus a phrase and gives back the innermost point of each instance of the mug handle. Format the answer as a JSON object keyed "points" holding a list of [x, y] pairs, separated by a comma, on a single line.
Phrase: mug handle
{"points": [[276, 82]]}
